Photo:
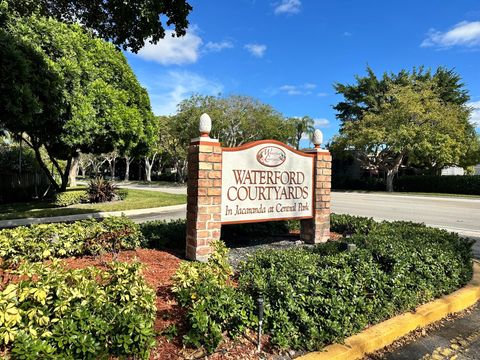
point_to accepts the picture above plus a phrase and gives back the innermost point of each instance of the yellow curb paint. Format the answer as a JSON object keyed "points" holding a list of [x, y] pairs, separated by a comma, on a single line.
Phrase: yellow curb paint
{"points": [[385, 333]]}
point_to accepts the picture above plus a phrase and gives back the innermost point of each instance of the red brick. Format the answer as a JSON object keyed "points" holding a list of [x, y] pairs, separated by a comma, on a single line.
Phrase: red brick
{"points": [[205, 183], [214, 191], [215, 175]]}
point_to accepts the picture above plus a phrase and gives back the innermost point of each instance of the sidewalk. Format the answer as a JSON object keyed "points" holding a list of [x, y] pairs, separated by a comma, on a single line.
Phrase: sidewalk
{"points": [[138, 214], [457, 339]]}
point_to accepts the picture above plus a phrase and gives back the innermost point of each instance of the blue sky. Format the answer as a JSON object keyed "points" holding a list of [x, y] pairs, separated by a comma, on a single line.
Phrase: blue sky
{"points": [[288, 53]]}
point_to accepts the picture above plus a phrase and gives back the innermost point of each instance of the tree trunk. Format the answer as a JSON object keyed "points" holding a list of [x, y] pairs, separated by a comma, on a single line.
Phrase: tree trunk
{"points": [[149, 166], [394, 171], [127, 168], [45, 169], [148, 169], [74, 170], [390, 177], [65, 175]]}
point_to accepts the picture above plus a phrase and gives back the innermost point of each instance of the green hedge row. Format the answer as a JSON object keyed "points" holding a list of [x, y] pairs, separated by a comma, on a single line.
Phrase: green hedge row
{"points": [[47, 241], [50, 312], [449, 184], [316, 296]]}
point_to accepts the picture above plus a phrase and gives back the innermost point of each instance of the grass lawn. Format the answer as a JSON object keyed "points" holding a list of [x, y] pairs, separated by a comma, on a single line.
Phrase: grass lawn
{"points": [[136, 199], [411, 193]]}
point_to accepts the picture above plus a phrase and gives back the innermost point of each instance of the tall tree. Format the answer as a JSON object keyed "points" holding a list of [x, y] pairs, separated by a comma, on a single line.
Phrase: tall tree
{"points": [[67, 91], [304, 126], [413, 122], [374, 96], [125, 23]]}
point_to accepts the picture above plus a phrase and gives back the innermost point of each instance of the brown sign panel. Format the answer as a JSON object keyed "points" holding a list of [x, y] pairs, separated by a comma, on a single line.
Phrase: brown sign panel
{"points": [[266, 180]]}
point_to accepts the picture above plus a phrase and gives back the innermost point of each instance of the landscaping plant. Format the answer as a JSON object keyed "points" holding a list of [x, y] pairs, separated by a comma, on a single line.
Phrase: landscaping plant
{"points": [[87, 237], [72, 197], [101, 190], [49, 312], [318, 295]]}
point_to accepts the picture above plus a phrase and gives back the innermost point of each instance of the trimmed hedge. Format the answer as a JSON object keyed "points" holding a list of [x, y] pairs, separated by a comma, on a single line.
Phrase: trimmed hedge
{"points": [[50, 312], [46, 241], [72, 197], [449, 184], [316, 296]]}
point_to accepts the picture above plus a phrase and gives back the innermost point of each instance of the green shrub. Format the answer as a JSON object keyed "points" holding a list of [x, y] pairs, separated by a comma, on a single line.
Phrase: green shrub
{"points": [[54, 313], [349, 224], [47, 241], [122, 194], [316, 296], [213, 306], [449, 184], [100, 190], [160, 234], [72, 197]]}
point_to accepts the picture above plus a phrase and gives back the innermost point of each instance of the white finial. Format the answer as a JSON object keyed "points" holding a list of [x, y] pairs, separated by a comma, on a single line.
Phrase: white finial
{"points": [[205, 125], [317, 138]]}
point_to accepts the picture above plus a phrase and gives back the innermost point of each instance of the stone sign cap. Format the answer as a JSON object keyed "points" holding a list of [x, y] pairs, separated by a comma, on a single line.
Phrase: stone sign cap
{"points": [[317, 138], [205, 125]]}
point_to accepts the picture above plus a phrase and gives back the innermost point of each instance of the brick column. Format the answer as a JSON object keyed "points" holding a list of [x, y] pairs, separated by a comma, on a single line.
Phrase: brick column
{"points": [[203, 197], [317, 230]]}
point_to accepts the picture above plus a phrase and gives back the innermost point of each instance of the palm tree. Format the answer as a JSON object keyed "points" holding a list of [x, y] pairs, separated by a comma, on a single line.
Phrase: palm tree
{"points": [[304, 125]]}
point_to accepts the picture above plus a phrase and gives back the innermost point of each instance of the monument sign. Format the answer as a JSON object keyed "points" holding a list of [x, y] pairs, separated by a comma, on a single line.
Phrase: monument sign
{"points": [[266, 180], [259, 181]]}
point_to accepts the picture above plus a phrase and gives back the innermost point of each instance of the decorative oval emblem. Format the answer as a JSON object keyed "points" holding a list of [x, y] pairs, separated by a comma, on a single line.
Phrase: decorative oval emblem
{"points": [[271, 156]]}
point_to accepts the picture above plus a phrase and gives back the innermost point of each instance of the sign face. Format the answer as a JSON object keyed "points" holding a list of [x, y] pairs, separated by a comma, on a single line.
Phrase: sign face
{"points": [[266, 180]]}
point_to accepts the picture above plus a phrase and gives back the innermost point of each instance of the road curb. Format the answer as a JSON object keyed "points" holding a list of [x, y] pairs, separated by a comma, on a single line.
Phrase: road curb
{"points": [[93, 215], [385, 333]]}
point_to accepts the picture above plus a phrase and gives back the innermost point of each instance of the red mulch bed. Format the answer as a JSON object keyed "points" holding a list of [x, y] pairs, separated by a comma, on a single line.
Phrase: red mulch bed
{"points": [[159, 268]]}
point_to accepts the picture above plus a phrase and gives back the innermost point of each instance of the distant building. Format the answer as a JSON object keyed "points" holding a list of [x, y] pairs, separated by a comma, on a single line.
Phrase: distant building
{"points": [[453, 170], [477, 169]]}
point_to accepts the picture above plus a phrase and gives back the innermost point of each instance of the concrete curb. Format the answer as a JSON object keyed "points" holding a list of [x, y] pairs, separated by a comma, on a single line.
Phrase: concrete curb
{"points": [[93, 215], [385, 333]]}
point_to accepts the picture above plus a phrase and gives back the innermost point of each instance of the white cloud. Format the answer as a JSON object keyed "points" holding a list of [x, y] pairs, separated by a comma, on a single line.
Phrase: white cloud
{"points": [[463, 34], [173, 50], [322, 94], [305, 89], [167, 90], [218, 46], [257, 50], [475, 116], [321, 122], [288, 7]]}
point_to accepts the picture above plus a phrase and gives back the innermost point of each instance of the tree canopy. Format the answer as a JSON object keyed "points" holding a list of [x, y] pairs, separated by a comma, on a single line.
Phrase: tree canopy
{"points": [[67, 91], [125, 23], [414, 117]]}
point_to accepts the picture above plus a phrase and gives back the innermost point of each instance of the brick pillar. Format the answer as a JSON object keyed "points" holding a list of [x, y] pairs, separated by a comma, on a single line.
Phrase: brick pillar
{"points": [[317, 230], [203, 197]]}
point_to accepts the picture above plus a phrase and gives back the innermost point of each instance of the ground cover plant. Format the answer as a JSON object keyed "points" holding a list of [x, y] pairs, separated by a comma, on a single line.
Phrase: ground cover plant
{"points": [[87, 237], [318, 295], [50, 312]]}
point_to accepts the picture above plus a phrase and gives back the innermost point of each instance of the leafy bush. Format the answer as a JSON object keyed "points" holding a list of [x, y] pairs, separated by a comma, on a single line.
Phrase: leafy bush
{"points": [[122, 194], [72, 197], [213, 306], [316, 296], [47, 241], [450, 184], [53, 313], [101, 190], [349, 224], [160, 234]]}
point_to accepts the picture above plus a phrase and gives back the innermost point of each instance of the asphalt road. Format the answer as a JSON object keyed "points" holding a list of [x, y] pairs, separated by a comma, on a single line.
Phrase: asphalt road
{"points": [[461, 215]]}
